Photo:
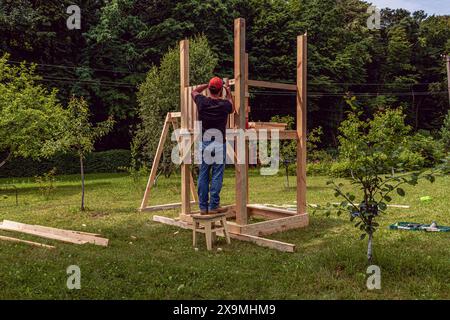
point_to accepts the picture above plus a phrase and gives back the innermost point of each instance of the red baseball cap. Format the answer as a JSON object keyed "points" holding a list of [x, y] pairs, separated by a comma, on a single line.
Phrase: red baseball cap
{"points": [[216, 83]]}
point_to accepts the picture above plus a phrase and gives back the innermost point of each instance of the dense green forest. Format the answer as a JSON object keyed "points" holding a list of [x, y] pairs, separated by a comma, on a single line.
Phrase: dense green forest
{"points": [[120, 40]]}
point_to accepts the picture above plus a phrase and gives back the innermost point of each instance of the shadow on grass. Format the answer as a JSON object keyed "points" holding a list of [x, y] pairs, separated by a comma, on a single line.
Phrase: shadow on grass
{"points": [[63, 189], [312, 236]]}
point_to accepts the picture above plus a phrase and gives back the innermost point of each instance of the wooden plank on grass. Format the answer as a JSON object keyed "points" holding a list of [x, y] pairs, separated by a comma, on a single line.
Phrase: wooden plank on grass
{"points": [[171, 222], [53, 233], [45, 235], [263, 242], [31, 243]]}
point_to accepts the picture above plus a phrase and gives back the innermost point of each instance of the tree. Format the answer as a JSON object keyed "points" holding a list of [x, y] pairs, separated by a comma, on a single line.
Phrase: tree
{"points": [[31, 118], [81, 134], [160, 92], [445, 133], [374, 151]]}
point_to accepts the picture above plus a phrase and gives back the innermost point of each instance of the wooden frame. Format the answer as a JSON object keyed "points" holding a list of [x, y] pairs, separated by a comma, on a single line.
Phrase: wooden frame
{"points": [[277, 220]]}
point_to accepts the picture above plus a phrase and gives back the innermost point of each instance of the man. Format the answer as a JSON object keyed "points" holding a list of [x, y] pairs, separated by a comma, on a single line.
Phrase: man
{"points": [[213, 113]]}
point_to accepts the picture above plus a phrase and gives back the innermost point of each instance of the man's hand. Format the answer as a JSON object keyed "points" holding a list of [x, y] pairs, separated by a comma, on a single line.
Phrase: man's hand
{"points": [[199, 90]]}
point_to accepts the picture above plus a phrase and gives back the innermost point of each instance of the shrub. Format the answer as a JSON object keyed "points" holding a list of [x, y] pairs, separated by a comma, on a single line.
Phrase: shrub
{"points": [[340, 169], [96, 162], [411, 160], [430, 149], [318, 168], [46, 183], [445, 133]]}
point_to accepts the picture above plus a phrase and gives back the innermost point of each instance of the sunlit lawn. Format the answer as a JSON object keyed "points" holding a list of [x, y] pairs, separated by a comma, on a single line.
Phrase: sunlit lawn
{"points": [[147, 260]]}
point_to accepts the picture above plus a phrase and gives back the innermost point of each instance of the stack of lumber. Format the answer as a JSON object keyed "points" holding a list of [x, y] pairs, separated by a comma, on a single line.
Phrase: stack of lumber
{"points": [[69, 236]]}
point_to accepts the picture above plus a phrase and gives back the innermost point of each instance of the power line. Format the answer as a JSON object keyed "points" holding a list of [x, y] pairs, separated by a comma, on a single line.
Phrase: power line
{"points": [[329, 94], [77, 67], [92, 81], [88, 82], [310, 82]]}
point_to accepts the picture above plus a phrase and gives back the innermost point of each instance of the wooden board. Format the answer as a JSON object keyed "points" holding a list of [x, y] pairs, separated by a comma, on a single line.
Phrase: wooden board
{"points": [[255, 134], [239, 89], [53, 233], [184, 83], [301, 122], [269, 212], [268, 125], [263, 242], [276, 225], [272, 85], [35, 244], [162, 207], [156, 160], [58, 231]]}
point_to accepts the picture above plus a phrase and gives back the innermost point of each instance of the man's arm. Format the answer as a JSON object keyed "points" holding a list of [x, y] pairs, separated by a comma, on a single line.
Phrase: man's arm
{"points": [[199, 90]]}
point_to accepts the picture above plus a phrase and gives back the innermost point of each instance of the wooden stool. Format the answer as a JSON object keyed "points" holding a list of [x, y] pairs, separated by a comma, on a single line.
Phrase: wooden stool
{"points": [[210, 228]]}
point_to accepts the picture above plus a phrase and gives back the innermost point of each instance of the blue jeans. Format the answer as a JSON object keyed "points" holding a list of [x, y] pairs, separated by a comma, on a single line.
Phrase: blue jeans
{"points": [[209, 196]]}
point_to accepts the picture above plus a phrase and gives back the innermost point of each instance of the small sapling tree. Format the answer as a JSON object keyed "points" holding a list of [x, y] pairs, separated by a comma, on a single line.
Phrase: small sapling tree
{"points": [[375, 154], [81, 134]]}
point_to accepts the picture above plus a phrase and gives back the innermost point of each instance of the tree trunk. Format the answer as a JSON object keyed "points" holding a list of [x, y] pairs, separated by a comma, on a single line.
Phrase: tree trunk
{"points": [[369, 248], [6, 160], [82, 182]]}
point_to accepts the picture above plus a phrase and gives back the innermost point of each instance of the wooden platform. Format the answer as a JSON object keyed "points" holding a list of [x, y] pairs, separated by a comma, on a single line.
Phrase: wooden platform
{"points": [[278, 220]]}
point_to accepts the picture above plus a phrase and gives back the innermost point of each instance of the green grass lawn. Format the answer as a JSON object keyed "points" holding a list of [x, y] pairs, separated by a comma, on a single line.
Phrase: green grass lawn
{"points": [[147, 260]]}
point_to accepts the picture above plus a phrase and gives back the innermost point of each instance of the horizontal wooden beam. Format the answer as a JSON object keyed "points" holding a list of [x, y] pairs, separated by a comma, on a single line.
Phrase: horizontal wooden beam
{"points": [[276, 225], [272, 85], [268, 125], [268, 243], [229, 210], [162, 207], [175, 114], [282, 134], [269, 212], [263, 242], [171, 222]]}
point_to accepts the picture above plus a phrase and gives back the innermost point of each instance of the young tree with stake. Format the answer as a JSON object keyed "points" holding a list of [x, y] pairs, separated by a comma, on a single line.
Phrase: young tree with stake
{"points": [[375, 153], [81, 134]]}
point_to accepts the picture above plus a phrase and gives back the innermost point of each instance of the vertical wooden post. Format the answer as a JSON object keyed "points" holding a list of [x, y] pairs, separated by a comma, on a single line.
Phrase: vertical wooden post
{"points": [[239, 89], [184, 83], [247, 114], [301, 122]]}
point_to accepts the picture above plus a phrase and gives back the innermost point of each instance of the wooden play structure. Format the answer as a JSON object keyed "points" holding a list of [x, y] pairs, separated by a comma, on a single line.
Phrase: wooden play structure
{"points": [[239, 226]]}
